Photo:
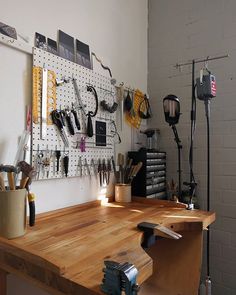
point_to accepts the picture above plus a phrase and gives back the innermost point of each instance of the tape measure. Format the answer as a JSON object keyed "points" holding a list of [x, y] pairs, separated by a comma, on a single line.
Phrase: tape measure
{"points": [[37, 92]]}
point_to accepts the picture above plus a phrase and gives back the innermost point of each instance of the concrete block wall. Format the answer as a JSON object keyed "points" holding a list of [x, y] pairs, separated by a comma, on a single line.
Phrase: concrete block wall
{"points": [[180, 31]]}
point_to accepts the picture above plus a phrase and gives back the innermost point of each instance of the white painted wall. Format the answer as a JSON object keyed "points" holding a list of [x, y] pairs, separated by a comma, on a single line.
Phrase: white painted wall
{"points": [[180, 31], [115, 30]]}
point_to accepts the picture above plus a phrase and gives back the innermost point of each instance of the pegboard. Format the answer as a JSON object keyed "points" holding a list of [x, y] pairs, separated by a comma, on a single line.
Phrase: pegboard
{"points": [[65, 96]]}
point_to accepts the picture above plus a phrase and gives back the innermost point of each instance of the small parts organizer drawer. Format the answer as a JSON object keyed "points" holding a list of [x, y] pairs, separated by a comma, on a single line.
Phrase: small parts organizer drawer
{"points": [[151, 179]]}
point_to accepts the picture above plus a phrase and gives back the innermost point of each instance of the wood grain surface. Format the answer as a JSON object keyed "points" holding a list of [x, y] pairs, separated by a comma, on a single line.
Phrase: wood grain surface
{"points": [[65, 251]]}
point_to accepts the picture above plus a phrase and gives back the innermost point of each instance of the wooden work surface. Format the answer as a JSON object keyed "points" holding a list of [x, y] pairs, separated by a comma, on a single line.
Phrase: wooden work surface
{"points": [[66, 249]]}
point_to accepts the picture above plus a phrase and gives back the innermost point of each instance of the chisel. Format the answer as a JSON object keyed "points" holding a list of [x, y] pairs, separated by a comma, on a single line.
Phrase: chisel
{"points": [[121, 160]]}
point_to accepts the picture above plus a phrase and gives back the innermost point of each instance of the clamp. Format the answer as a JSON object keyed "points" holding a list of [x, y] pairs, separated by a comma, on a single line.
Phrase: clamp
{"points": [[119, 278]]}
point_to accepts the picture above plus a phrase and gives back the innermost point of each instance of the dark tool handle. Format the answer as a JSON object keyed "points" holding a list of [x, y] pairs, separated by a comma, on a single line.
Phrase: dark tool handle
{"points": [[58, 155], [62, 117], [77, 123], [89, 126], [31, 198], [66, 164], [70, 124], [56, 119]]}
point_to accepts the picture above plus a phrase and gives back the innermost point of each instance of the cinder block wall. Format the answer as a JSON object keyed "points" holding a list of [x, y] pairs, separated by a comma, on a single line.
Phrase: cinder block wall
{"points": [[180, 31]]}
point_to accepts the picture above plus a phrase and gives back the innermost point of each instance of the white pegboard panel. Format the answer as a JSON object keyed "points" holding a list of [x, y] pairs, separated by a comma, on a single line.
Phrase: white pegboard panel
{"points": [[65, 96]]}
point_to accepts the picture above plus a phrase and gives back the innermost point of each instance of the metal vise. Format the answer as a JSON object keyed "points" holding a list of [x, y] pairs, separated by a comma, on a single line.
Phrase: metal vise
{"points": [[119, 278]]}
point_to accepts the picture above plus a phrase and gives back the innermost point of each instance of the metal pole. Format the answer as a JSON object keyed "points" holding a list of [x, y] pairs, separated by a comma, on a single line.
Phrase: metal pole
{"points": [[202, 60], [179, 146]]}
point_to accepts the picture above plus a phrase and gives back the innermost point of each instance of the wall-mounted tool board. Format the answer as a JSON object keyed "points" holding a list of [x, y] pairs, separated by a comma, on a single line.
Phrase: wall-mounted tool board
{"points": [[65, 96]]}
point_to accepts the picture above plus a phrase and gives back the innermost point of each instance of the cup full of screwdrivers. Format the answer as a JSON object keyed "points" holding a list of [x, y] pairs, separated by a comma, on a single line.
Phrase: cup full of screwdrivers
{"points": [[124, 177]]}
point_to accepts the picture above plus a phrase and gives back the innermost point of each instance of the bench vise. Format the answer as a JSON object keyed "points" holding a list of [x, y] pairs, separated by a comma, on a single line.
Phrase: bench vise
{"points": [[119, 278]]}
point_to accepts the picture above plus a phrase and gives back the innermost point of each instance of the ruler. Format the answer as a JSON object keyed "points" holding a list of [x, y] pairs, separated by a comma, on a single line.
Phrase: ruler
{"points": [[37, 95]]}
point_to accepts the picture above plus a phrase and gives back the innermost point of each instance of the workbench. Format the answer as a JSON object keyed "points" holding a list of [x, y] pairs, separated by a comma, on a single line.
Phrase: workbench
{"points": [[64, 252]]}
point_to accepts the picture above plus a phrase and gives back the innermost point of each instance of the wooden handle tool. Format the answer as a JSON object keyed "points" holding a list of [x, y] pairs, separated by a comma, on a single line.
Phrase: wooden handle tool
{"points": [[121, 162], [2, 183], [135, 171], [23, 182], [11, 180]]}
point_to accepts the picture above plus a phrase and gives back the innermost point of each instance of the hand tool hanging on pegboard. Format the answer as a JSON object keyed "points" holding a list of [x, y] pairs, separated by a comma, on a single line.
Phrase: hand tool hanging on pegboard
{"points": [[66, 163], [80, 167], [86, 165], [100, 170], [93, 166], [58, 121], [90, 114], [77, 123], [69, 121]]}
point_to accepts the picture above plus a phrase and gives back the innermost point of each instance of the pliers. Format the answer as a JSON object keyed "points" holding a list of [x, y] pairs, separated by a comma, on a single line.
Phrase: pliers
{"points": [[100, 172], [108, 170], [58, 121], [87, 167], [104, 172]]}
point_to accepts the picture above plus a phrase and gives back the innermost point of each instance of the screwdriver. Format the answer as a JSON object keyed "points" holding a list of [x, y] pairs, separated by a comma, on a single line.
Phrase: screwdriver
{"points": [[58, 155], [77, 123], [66, 164]]}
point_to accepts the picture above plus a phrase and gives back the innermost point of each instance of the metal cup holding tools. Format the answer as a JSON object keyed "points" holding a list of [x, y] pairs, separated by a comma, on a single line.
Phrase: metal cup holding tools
{"points": [[123, 192], [13, 213]]}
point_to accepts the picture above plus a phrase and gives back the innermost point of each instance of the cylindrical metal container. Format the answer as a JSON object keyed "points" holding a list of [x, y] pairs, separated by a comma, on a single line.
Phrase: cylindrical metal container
{"points": [[123, 192], [12, 213]]}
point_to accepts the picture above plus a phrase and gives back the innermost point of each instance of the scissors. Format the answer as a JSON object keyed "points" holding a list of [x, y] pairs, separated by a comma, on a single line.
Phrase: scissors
{"points": [[58, 121]]}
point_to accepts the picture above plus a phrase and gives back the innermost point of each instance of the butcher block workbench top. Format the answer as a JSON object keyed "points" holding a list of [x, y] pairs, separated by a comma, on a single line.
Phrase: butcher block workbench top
{"points": [[64, 252]]}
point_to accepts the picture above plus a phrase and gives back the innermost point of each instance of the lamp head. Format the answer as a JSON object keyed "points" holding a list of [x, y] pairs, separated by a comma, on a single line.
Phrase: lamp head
{"points": [[171, 108]]}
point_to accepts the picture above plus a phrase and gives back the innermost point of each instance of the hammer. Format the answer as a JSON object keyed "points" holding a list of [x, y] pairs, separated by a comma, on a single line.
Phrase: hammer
{"points": [[2, 183], [11, 170], [28, 173]]}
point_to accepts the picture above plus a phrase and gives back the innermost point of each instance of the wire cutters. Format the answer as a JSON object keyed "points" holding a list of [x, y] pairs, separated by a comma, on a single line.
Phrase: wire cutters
{"points": [[79, 167], [104, 172], [100, 171], [87, 167], [108, 170]]}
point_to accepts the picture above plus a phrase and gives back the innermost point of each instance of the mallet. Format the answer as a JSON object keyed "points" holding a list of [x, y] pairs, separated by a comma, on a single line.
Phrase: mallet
{"points": [[28, 172], [11, 170]]}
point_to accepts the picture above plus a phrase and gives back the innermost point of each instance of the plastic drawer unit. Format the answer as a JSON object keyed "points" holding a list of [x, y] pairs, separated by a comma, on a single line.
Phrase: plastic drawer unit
{"points": [[151, 179]]}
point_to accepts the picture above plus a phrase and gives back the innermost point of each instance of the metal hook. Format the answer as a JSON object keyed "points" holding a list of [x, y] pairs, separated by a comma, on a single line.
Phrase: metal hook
{"points": [[206, 63]]}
